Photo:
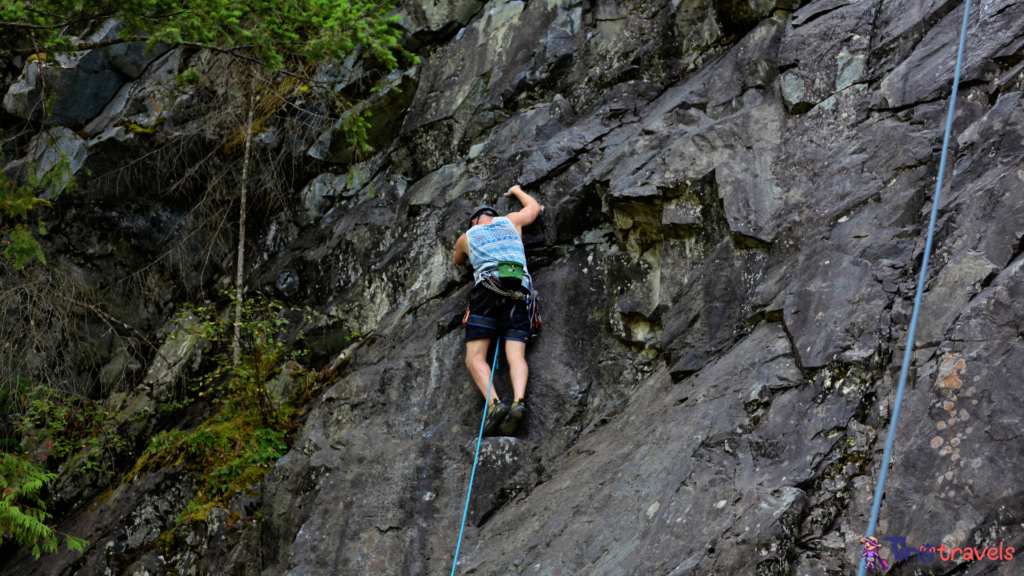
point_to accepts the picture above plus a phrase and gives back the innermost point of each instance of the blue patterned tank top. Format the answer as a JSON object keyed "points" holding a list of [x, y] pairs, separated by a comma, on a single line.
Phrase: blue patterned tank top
{"points": [[493, 243]]}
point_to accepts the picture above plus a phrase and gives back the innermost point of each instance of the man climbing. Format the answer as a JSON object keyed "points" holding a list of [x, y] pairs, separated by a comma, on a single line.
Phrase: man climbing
{"points": [[501, 302]]}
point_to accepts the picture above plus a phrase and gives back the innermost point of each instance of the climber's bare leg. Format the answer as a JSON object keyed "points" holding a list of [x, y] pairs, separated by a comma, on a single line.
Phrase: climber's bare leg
{"points": [[515, 353], [476, 361]]}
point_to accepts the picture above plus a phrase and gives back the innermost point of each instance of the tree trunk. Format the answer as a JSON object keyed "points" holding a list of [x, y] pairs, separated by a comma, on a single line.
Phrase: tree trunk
{"points": [[240, 273]]}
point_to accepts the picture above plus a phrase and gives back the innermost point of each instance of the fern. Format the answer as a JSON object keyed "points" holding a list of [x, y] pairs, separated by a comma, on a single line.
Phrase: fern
{"points": [[23, 513]]}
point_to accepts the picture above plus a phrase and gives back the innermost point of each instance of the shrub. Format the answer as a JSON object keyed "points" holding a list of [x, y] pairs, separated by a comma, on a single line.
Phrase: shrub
{"points": [[232, 451]]}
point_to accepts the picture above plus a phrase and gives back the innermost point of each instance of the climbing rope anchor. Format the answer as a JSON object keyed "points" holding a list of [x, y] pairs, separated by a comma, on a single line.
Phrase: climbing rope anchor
{"points": [[898, 403]]}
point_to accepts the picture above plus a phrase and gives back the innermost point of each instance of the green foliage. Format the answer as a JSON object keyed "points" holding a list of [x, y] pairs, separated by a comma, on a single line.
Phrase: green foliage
{"points": [[272, 31], [19, 198], [228, 454], [232, 451], [23, 247], [190, 77], [23, 513], [58, 427], [73, 426], [354, 126], [263, 351]]}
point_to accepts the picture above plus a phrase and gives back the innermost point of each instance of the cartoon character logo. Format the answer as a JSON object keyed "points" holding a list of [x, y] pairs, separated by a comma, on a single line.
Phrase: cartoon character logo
{"points": [[874, 561]]}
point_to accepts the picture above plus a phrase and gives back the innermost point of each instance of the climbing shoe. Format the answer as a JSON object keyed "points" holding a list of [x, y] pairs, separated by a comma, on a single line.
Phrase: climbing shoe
{"points": [[496, 412], [515, 414]]}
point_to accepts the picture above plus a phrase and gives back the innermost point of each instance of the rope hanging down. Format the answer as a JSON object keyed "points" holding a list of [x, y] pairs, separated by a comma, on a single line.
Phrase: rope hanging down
{"points": [[887, 455], [479, 438]]}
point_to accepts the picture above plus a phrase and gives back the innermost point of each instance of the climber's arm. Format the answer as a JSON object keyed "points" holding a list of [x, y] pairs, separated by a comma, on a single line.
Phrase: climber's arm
{"points": [[526, 216], [461, 255]]}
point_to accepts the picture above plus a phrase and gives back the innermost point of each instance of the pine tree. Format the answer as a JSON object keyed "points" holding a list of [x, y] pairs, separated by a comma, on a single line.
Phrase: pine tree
{"points": [[267, 31]]}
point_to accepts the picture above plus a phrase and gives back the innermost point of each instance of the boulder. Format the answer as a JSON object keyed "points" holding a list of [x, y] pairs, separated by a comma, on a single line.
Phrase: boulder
{"points": [[83, 86], [83, 82], [47, 150], [141, 105]]}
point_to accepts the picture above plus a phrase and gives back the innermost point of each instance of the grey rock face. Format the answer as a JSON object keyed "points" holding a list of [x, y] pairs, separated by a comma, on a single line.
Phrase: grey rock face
{"points": [[47, 150], [829, 294], [144, 102], [88, 76], [429, 20], [826, 51], [385, 110], [734, 199], [133, 416], [84, 84], [954, 286], [997, 32]]}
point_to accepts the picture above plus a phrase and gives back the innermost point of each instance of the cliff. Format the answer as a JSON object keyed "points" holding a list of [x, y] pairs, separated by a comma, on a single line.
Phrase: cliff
{"points": [[735, 201]]}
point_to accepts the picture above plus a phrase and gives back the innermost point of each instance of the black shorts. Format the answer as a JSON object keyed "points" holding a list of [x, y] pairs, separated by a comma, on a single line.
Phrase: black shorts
{"points": [[491, 314]]}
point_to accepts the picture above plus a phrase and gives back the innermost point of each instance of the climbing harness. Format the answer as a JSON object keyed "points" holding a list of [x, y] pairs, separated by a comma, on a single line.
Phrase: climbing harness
{"points": [[532, 304], [898, 403], [479, 438]]}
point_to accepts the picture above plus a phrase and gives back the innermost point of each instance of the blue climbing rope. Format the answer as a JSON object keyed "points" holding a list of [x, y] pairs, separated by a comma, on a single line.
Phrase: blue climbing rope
{"points": [[907, 354], [479, 438]]}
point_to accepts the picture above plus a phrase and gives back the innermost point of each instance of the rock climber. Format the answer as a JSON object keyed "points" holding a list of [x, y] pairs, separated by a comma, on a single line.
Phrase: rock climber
{"points": [[502, 302]]}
